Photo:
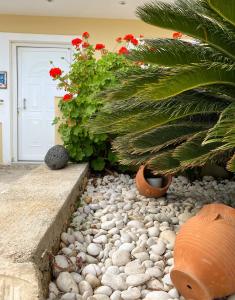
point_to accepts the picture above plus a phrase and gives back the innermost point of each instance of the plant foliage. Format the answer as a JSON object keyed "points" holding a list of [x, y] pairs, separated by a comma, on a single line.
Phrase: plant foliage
{"points": [[179, 111]]}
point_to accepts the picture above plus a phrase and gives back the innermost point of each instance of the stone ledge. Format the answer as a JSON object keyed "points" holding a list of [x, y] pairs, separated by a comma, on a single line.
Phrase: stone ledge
{"points": [[33, 213]]}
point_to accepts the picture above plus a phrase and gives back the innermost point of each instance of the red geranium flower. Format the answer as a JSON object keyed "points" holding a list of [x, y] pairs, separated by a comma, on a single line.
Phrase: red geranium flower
{"points": [[134, 42], [141, 36], [99, 46], [128, 37], [76, 42], [177, 35], [86, 35], [67, 97], [55, 72], [123, 50], [119, 39], [85, 45]]}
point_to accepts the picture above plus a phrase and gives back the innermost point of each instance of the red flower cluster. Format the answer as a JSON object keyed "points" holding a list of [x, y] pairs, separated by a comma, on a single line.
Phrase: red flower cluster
{"points": [[177, 35], [67, 97], [85, 45], [76, 42], [85, 35], [99, 46], [128, 37], [135, 42], [131, 38], [123, 50], [119, 39], [55, 72]]}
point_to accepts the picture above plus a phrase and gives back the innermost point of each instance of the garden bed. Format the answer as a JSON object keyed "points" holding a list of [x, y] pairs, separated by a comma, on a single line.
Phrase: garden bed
{"points": [[119, 244]]}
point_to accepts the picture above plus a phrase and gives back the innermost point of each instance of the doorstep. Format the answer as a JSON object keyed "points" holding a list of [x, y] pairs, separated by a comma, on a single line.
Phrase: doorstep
{"points": [[33, 213]]}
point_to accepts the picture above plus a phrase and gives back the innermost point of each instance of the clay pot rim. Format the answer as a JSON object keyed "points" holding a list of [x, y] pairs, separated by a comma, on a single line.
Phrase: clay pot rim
{"points": [[177, 270], [169, 179]]}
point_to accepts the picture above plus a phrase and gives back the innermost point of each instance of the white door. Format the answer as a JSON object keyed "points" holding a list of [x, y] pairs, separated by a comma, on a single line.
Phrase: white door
{"points": [[36, 92]]}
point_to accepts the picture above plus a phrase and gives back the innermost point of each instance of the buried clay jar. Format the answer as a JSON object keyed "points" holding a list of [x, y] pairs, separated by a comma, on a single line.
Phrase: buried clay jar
{"points": [[204, 254]]}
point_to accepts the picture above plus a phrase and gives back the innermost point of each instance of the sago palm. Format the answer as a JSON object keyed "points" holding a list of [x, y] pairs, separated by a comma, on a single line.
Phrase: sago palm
{"points": [[179, 112]]}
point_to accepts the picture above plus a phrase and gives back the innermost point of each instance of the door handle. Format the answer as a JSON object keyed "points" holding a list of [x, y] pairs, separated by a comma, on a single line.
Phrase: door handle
{"points": [[24, 103]]}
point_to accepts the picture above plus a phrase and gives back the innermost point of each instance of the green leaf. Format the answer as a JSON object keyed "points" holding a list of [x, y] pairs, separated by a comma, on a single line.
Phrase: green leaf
{"points": [[164, 163], [194, 18], [226, 8], [187, 78], [231, 164], [112, 157], [98, 164]]}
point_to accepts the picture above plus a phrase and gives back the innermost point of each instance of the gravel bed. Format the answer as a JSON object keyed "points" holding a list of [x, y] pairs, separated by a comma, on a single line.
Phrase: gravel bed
{"points": [[119, 245]]}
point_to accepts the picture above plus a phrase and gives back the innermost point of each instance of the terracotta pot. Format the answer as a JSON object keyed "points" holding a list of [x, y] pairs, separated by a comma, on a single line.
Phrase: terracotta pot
{"points": [[148, 190], [204, 254]]}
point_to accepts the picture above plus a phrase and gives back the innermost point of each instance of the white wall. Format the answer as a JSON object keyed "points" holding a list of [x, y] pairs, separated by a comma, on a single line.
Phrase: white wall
{"points": [[7, 40]]}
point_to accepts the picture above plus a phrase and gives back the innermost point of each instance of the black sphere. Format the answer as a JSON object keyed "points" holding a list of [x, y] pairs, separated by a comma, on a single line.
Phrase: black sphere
{"points": [[57, 157]]}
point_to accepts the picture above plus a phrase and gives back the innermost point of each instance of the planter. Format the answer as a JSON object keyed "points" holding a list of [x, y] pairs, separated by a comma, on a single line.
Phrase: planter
{"points": [[148, 190], [204, 254]]}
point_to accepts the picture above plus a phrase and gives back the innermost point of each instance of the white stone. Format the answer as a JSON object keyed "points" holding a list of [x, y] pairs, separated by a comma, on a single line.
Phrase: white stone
{"points": [[106, 290], [102, 239], [85, 286], [134, 267], [94, 249], [153, 231], [66, 283], [157, 295], [154, 272], [69, 296], [174, 293], [167, 279], [120, 257], [78, 236], [137, 279], [92, 280], [168, 236], [107, 225], [53, 288], [135, 224], [101, 297], [116, 295], [155, 284], [77, 277], [91, 269], [132, 293], [159, 248], [130, 195], [116, 282], [127, 247]]}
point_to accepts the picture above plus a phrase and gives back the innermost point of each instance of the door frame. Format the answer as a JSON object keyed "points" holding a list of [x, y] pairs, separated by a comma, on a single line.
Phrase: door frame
{"points": [[14, 85]]}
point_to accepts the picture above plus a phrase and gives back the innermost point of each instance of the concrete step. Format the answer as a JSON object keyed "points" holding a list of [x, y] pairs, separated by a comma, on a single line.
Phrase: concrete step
{"points": [[33, 213]]}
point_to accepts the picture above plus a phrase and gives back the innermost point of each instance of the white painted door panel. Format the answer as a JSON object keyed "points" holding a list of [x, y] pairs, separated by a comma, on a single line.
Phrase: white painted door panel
{"points": [[36, 92]]}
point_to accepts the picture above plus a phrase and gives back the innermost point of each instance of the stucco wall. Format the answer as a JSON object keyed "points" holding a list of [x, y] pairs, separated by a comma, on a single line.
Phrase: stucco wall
{"points": [[101, 30]]}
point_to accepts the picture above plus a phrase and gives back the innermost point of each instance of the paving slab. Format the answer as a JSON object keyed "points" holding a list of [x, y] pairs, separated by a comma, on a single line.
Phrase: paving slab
{"points": [[33, 213]]}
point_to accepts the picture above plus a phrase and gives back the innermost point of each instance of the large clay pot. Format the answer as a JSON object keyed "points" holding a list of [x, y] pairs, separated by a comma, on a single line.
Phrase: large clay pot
{"points": [[204, 254], [148, 190]]}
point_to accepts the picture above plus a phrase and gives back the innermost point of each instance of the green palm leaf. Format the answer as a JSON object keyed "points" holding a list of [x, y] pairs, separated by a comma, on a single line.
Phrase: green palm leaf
{"points": [[170, 52], [231, 164], [186, 78], [225, 8], [194, 18], [224, 129], [192, 153], [164, 163]]}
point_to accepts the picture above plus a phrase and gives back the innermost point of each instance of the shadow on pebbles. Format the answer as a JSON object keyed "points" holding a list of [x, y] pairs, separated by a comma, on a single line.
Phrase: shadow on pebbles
{"points": [[119, 245]]}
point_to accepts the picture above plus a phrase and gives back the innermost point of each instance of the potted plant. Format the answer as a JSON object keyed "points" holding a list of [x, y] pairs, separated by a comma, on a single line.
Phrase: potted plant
{"points": [[151, 185]]}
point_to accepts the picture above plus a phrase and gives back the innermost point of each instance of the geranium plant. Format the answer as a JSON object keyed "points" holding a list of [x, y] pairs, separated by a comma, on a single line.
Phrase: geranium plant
{"points": [[87, 77]]}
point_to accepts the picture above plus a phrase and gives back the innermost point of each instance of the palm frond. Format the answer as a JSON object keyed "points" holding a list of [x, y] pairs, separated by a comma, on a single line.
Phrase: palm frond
{"points": [[171, 52], [224, 129], [187, 78], [231, 164], [224, 8], [164, 163], [194, 18], [192, 153]]}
